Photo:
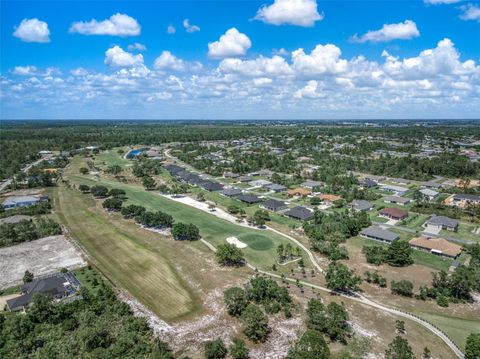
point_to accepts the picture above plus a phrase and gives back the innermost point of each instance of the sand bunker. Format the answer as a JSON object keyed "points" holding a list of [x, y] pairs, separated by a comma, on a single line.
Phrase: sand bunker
{"points": [[236, 242]]}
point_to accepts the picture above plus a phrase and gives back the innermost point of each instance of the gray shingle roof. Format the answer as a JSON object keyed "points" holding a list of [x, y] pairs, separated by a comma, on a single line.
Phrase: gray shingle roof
{"points": [[299, 212], [378, 233], [274, 204], [249, 198], [361, 205], [231, 192], [443, 221]]}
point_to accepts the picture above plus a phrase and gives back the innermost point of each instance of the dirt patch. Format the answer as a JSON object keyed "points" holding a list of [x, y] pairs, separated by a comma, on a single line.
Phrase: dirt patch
{"points": [[42, 256]]}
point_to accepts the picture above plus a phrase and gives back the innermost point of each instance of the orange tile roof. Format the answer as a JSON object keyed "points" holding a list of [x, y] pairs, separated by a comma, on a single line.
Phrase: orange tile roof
{"points": [[437, 244], [299, 192], [329, 197]]}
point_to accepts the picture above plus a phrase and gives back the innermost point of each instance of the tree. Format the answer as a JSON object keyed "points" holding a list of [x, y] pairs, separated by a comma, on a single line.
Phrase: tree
{"points": [[399, 254], [235, 300], [113, 204], [255, 323], [148, 182], [182, 231], [427, 354], [472, 347], [83, 170], [403, 287], [375, 254], [132, 211], [340, 278], [331, 320], [238, 350], [310, 346], [399, 349], [233, 209], [260, 217], [114, 169], [201, 197], [99, 191], [27, 277], [117, 192], [229, 255], [215, 349], [84, 188]]}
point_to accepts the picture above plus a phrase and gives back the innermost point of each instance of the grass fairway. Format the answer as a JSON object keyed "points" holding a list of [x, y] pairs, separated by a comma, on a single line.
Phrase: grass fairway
{"points": [[261, 251], [129, 261]]}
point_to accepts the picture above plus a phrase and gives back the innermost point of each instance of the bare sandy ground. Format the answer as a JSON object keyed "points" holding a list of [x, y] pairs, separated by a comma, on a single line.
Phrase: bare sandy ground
{"points": [[42, 256], [236, 242]]}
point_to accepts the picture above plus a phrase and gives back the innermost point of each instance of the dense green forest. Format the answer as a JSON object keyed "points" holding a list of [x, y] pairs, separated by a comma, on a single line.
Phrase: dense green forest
{"points": [[20, 141]]}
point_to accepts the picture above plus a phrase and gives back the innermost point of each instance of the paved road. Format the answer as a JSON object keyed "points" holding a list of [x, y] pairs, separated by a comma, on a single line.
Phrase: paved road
{"points": [[4, 185]]}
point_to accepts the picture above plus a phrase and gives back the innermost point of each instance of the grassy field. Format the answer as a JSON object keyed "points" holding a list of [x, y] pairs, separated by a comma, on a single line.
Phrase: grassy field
{"points": [[456, 328], [125, 258]]}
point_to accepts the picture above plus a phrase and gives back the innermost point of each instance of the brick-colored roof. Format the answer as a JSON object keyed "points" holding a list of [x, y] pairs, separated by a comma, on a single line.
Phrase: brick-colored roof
{"points": [[329, 197], [394, 212], [438, 244], [299, 192]]}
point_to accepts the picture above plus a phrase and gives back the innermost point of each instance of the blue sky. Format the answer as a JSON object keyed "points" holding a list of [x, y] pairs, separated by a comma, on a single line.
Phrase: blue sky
{"points": [[360, 59]]}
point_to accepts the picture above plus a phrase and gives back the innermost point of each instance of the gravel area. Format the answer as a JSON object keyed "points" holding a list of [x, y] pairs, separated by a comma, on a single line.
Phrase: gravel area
{"points": [[42, 256]]}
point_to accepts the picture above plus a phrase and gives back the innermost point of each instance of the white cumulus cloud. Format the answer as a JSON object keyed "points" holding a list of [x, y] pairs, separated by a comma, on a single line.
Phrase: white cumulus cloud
{"points": [[231, 44], [401, 31], [470, 12], [292, 12], [117, 57], [189, 27], [137, 47], [324, 59], [168, 61], [261, 66], [32, 30], [117, 25], [171, 29]]}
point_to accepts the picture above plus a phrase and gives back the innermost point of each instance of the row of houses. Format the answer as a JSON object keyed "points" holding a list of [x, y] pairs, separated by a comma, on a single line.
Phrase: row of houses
{"points": [[193, 179]]}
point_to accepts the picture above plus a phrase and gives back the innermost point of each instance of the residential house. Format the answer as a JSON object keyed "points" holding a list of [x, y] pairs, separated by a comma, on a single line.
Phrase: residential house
{"points": [[59, 286], [22, 201], [432, 185], [231, 192], [379, 234], [401, 181], [368, 183], [248, 198], [276, 187], [398, 190], [329, 198], [361, 205], [211, 186], [266, 173], [442, 222], [273, 205], [312, 185], [230, 175], [429, 194], [437, 246], [463, 200], [259, 183], [245, 178], [299, 212], [393, 213], [401, 201], [173, 169], [298, 192]]}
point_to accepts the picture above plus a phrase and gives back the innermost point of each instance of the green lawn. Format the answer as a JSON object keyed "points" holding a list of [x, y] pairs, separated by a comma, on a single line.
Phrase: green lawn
{"points": [[456, 328], [464, 232], [111, 157]]}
